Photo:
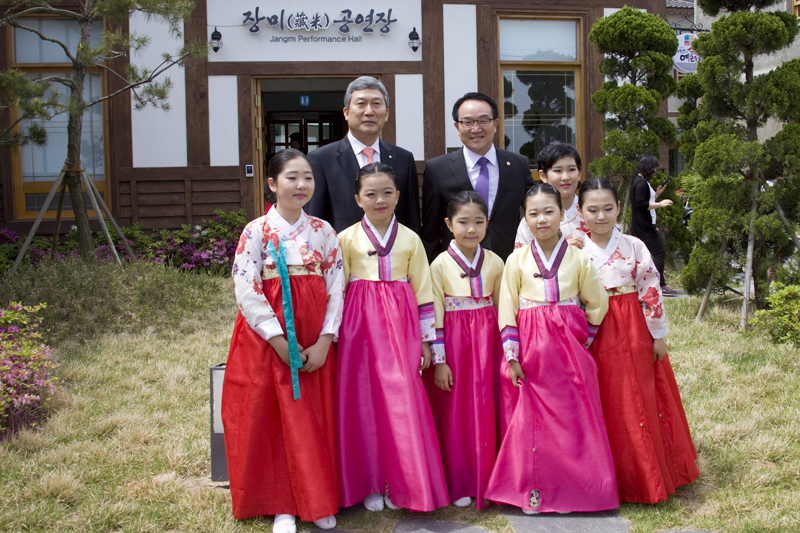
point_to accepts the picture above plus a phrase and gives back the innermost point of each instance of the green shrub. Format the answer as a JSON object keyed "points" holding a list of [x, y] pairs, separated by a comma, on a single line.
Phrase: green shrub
{"points": [[782, 319], [85, 300]]}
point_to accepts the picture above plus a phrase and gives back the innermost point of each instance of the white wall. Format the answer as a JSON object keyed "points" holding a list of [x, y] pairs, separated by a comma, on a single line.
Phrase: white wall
{"points": [[460, 61], [159, 137], [223, 120], [409, 115]]}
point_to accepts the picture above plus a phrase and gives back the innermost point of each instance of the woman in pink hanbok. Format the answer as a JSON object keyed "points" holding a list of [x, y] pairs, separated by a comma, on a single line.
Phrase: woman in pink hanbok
{"points": [[467, 351], [555, 455], [388, 450]]}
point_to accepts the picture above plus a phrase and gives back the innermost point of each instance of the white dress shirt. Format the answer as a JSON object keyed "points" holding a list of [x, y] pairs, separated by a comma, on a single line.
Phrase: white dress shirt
{"points": [[474, 170], [358, 146]]}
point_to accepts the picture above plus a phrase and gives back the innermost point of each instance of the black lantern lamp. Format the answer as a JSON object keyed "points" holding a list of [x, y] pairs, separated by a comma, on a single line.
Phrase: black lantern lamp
{"points": [[216, 40], [413, 40]]}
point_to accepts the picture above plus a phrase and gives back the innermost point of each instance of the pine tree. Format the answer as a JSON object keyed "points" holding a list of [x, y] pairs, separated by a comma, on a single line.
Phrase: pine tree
{"points": [[114, 44], [744, 191]]}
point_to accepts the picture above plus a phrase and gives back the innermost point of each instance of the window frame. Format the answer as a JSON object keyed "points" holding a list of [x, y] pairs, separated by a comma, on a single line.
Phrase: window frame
{"points": [[576, 66], [20, 188]]}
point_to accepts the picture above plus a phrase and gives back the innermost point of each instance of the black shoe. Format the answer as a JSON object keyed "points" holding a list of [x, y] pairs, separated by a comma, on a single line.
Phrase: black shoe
{"points": [[666, 291]]}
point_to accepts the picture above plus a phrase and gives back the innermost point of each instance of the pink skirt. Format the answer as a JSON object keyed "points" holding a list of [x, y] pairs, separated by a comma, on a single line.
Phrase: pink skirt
{"points": [[385, 431], [465, 416], [555, 455]]}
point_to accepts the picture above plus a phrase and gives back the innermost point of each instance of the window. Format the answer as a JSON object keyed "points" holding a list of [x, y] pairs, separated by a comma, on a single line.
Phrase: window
{"points": [[37, 167], [541, 84], [796, 7]]}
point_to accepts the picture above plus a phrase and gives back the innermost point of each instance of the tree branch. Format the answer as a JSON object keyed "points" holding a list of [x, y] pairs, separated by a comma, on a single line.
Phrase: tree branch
{"points": [[112, 71], [131, 86], [43, 37], [67, 82], [44, 8], [789, 226]]}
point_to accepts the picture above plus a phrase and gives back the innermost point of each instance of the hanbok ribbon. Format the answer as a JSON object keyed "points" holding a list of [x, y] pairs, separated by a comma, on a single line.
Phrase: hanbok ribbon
{"points": [[552, 293], [382, 251], [468, 270], [295, 363]]}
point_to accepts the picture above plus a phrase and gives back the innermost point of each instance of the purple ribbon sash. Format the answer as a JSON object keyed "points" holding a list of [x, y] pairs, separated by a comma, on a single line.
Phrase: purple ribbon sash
{"points": [[382, 251], [551, 290], [468, 271]]}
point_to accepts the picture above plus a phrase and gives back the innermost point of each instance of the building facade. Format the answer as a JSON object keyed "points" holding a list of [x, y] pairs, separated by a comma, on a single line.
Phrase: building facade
{"points": [[283, 68]]}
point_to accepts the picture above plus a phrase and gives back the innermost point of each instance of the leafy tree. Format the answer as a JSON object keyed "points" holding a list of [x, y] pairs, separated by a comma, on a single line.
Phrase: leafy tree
{"points": [[749, 187], [114, 44], [32, 103], [638, 50]]}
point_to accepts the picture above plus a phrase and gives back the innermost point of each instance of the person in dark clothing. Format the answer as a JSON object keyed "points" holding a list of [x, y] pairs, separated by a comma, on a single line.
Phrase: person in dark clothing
{"points": [[643, 214]]}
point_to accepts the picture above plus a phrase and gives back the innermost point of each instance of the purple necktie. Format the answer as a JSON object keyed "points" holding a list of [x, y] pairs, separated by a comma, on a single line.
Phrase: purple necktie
{"points": [[482, 185]]}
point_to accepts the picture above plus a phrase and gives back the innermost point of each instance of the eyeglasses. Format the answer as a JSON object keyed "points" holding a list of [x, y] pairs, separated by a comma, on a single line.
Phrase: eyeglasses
{"points": [[482, 122]]}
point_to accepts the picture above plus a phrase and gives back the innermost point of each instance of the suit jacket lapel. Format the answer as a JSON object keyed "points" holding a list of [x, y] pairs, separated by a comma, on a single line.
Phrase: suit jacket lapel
{"points": [[504, 166], [386, 155], [347, 160], [458, 170]]}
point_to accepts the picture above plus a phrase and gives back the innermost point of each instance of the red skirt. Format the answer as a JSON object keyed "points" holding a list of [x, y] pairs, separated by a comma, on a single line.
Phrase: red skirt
{"points": [[281, 451], [465, 416], [647, 427]]}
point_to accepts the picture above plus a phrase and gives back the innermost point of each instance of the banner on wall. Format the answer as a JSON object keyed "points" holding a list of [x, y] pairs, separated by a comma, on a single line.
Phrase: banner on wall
{"points": [[686, 59]]}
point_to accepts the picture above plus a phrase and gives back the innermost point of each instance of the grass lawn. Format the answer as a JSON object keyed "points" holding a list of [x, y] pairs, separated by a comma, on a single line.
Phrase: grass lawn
{"points": [[128, 449]]}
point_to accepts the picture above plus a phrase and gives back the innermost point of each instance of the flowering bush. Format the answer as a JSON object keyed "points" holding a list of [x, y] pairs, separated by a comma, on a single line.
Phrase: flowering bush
{"points": [[27, 384], [209, 246]]}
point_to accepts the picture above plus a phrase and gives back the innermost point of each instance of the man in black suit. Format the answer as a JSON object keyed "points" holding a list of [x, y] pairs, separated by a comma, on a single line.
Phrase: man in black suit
{"points": [[501, 177], [336, 165]]}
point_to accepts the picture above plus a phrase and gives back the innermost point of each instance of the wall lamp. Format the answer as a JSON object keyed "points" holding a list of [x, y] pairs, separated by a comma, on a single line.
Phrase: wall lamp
{"points": [[216, 40], [413, 40]]}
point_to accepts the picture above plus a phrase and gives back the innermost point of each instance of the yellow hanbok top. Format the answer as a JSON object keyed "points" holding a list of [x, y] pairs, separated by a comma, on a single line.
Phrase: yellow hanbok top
{"points": [[576, 278], [405, 261], [453, 289]]}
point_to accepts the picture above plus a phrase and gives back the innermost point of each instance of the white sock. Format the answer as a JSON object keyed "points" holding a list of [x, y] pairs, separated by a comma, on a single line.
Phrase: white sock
{"points": [[284, 523], [463, 502], [329, 522], [374, 502], [530, 511], [389, 504]]}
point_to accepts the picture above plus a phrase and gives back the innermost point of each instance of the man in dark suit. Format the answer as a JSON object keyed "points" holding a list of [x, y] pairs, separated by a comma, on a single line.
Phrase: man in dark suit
{"points": [[501, 177], [336, 165]]}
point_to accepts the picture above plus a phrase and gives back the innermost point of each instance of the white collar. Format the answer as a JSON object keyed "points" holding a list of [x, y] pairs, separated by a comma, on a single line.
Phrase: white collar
{"points": [[548, 263], [472, 158], [572, 212], [358, 146], [277, 220], [472, 264], [604, 253], [382, 240]]}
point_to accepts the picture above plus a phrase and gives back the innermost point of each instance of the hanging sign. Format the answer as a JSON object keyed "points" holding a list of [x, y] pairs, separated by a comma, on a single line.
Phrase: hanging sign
{"points": [[686, 59], [315, 30]]}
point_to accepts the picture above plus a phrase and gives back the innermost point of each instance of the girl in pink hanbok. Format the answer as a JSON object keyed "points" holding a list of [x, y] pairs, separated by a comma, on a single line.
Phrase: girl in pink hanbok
{"points": [[467, 351], [555, 455], [647, 427], [388, 450], [560, 166]]}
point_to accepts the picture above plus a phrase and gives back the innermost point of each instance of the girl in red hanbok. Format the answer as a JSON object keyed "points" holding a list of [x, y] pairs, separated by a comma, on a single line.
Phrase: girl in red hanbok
{"points": [[467, 351], [278, 392], [647, 428]]}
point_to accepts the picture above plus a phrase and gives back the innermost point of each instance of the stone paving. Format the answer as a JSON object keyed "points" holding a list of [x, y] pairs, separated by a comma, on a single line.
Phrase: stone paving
{"points": [[604, 522]]}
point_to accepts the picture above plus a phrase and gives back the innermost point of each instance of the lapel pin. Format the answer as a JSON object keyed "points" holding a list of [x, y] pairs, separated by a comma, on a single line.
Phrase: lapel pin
{"points": [[390, 157], [507, 163]]}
